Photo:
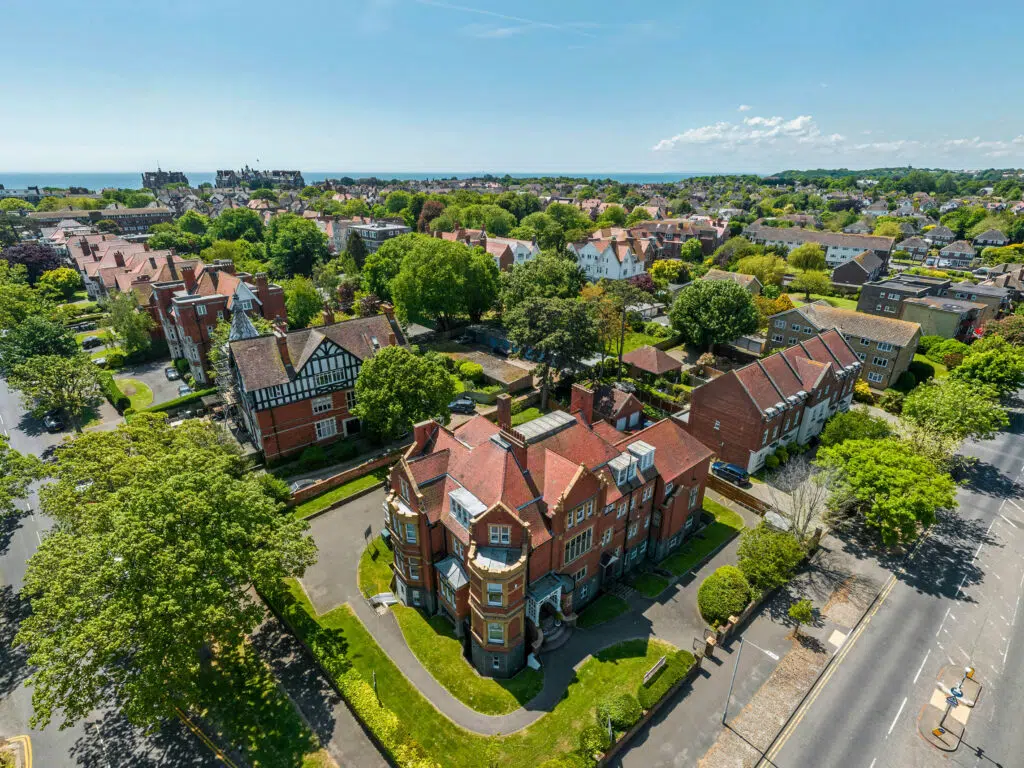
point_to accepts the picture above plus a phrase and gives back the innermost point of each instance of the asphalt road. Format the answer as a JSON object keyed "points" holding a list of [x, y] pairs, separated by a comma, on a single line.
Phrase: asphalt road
{"points": [[105, 740], [954, 604]]}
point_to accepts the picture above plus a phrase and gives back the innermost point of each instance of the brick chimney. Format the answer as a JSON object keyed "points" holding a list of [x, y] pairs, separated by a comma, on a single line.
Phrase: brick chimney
{"points": [[582, 401], [145, 245], [188, 274], [281, 334], [328, 314], [119, 258], [504, 411], [388, 310], [262, 288], [392, 339], [225, 265], [421, 432]]}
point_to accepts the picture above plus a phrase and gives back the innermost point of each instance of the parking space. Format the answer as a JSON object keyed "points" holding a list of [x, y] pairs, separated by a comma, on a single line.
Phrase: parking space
{"points": [[152, 375]]}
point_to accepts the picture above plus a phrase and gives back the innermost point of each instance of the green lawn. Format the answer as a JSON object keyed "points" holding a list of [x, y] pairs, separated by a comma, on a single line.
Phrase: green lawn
{"points": [[103, 334], [252, 714], [836, 301], [324, 500], [604, 608], [727, 524], [345, 647], [136, 391], [459, 386], [941, 371], [375, 568], [649, 584], [434, 643], [635, 340], [525, 415]]}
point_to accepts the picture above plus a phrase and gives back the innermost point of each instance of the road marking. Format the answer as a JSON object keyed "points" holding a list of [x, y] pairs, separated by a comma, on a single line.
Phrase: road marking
{"points": [[925, 659], [873, 763], [937, 631], [897, 717], [1004, 517]]}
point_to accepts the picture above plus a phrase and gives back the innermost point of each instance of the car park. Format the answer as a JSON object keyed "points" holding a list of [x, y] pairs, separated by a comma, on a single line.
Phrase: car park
{"points": [[462, 405], [171, 373], [733, 473]]}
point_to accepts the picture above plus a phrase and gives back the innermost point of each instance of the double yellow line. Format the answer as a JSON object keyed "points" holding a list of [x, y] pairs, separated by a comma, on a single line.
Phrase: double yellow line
{"points": [[805, 705], [26, 744], [203, 738]]}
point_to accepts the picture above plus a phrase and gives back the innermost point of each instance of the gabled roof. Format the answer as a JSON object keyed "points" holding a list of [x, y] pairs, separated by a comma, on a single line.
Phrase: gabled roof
{"points": [[960, 246], [736, 277], [823, 316], [652, 360]]}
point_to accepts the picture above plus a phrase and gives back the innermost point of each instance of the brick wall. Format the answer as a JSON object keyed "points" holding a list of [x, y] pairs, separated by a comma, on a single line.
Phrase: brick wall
{"points": [[343, 477]]}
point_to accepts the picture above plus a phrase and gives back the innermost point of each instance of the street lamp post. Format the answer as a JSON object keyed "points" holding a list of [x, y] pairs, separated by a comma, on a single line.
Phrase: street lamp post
{"points": [[736, 666]]}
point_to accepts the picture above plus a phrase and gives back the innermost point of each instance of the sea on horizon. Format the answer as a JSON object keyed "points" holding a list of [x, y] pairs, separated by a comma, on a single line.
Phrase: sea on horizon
{"points": [[98, 181]]}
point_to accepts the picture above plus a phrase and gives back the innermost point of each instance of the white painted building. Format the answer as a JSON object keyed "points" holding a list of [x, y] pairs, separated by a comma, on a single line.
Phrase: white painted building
{"points": [[612, 259]]}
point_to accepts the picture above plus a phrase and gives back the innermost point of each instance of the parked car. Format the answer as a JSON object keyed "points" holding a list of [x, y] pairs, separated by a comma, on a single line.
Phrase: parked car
{"points": [[734, 473], [100, 361], [464, 339], [462, 405], [184, 389], [298, 485], [171, 373], [91, 342], [53, 422]]}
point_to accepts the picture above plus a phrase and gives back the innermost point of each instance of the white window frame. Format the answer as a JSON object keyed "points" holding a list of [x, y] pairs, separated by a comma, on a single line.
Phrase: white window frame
{"points": [[411, 533], [606, 537], [622, 509], [403, 484], [322, 404], [493, 593], [718, 424], [633, 528], [694, 493], [350, 400], [323, 432], [491, 625], [201, 310], [881, 362], [668, 489], [876, 378], [414, 569], [499, 535], [884, 346], [578, 546], [648, 492]]}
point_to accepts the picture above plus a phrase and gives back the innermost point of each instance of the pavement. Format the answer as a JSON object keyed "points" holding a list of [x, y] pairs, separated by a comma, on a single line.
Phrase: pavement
{"points": [[955, 603], [152, 375]]}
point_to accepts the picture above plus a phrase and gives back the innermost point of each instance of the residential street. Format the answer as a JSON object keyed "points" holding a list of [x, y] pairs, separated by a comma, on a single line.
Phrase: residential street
{"points": [[956, 604], [106, 740]]}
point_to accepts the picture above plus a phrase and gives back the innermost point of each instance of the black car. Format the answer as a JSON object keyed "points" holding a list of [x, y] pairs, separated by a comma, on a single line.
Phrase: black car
{"points": [[462, 405], [52, 422], [90, 342], [734, 473]]}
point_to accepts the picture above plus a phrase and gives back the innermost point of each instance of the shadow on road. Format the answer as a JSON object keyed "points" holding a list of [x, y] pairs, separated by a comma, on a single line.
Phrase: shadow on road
{"points": [[13, 660], [112, 742], [986, 479]]}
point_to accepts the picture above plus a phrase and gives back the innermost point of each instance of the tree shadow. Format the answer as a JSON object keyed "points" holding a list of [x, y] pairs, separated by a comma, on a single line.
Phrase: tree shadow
{"points": [[8, 525], [32, 426], [14, 667], [110, 741], [986, 479]]}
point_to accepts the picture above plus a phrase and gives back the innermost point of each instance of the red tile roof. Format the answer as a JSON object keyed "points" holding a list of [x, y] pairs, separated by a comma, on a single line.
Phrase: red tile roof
{"points": [[652, 360]]}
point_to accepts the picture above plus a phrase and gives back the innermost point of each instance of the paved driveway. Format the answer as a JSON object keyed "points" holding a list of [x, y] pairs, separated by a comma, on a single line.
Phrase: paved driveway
{"points": [[152, 375]]}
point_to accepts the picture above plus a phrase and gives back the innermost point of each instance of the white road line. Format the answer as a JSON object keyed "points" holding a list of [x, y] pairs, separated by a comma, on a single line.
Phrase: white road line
{"points": [[989, 529], [1004, 517], [979, 549], [937, 631], [897, 717], [923, 661], [39, 537], [1016, 505], [1016, 605], [961, 587], [873, 763]]}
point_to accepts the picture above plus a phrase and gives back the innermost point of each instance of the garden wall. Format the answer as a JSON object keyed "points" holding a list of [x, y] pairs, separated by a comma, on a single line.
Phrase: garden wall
{"points": [[738, 495], [322, 486]]}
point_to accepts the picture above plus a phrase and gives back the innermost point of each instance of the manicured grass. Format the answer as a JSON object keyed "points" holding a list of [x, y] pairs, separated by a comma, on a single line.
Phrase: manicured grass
{"points": [[649, 584], [103, 334], [434, 643], [251, 713], [525, 415], [941, 371], [324, 500], [375, 568], [636, 340], [617, 669], [727, 524], [836, 301], [459, 386], [136, 391], [604, 608]]}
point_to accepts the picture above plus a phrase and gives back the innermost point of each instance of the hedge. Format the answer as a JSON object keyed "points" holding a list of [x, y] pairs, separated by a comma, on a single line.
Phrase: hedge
{"points": [[180, 401], [675, 669], [724, 593], [85, 318], [622, 709], [114, 396]]}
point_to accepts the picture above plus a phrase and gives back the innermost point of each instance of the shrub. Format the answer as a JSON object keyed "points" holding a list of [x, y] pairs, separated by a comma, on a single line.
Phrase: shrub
{"points": [[771, 461], [724, 593], [675, 669], [952, 360], [927, 342], [115, 360], [862, 392], [312, 457], [110, 391], [939, 351], [922, 370], [593, 739], [657, 329], [782, 454], [181, 366], [906, 382], [622, 708], [177, 402], [570, 760], [472, 371], [767, 557], [517, 406], [891, 401]]}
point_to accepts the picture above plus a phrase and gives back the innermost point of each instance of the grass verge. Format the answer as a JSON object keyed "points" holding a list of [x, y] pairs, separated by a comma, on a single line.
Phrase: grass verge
{"points": [[649, 584], [433, 641], [342, 492], [604, 608], [836, 301], [350, 653], [941, 371], [727, 524], [136, 391], [375, 568], [635, 340]]}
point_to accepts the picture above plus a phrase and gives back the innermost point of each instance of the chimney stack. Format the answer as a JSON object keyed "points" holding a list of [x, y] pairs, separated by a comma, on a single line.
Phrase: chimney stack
{"points": [[188, 274], [328, 314], [388, 310], [504, 411], [145, 245], [582, 401], [119, 258], [281, 334], [262, 290]]}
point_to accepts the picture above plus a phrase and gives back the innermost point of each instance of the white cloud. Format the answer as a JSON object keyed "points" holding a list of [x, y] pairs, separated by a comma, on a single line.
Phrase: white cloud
{"points": [[753, 131], [745, 108]]}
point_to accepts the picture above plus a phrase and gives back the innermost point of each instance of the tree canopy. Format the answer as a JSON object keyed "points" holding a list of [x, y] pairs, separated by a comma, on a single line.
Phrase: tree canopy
{"points": [[548, 275], [237, 224], [35, 257], [17, 472], [956, 409], [807, 256], [35, 335], [60, 283], [994, 362], [810, 281], [161, 531], [50, 382], [768, 557], [397, 389], [302, 301], [710, 312], [131, 325], [769, 269], [295, 245], [856, 424]]}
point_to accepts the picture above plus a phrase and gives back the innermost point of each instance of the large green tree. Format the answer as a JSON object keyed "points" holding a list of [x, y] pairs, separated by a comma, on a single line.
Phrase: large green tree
{"points": [[994, 362], [50, 382], [381, 266], [856, 424], [295, 245], [480, 284], [397, 388], [435, 278], [564, 331], [61, 283], [35, 335], [161, 533], [17, 298], [132, 325], [768, 557], [17, 471], [691, 251], [237, 224], [710, 312], [302, 301], [769, 269], [548, 275], [811, 281], [894, 489], [956, 409]]}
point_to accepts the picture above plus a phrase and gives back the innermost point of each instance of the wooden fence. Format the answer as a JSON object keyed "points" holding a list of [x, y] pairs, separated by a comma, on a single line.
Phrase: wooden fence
{"points": [[738, 495]]}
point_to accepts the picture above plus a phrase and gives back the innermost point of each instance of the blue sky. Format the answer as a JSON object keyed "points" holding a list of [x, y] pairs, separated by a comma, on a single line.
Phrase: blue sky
{"points": [[516, 85]]}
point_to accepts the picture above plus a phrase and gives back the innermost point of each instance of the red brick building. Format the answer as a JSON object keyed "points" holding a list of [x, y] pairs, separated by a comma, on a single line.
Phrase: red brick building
{"points": [[746, 414], [501, 530], [298, 389]]}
